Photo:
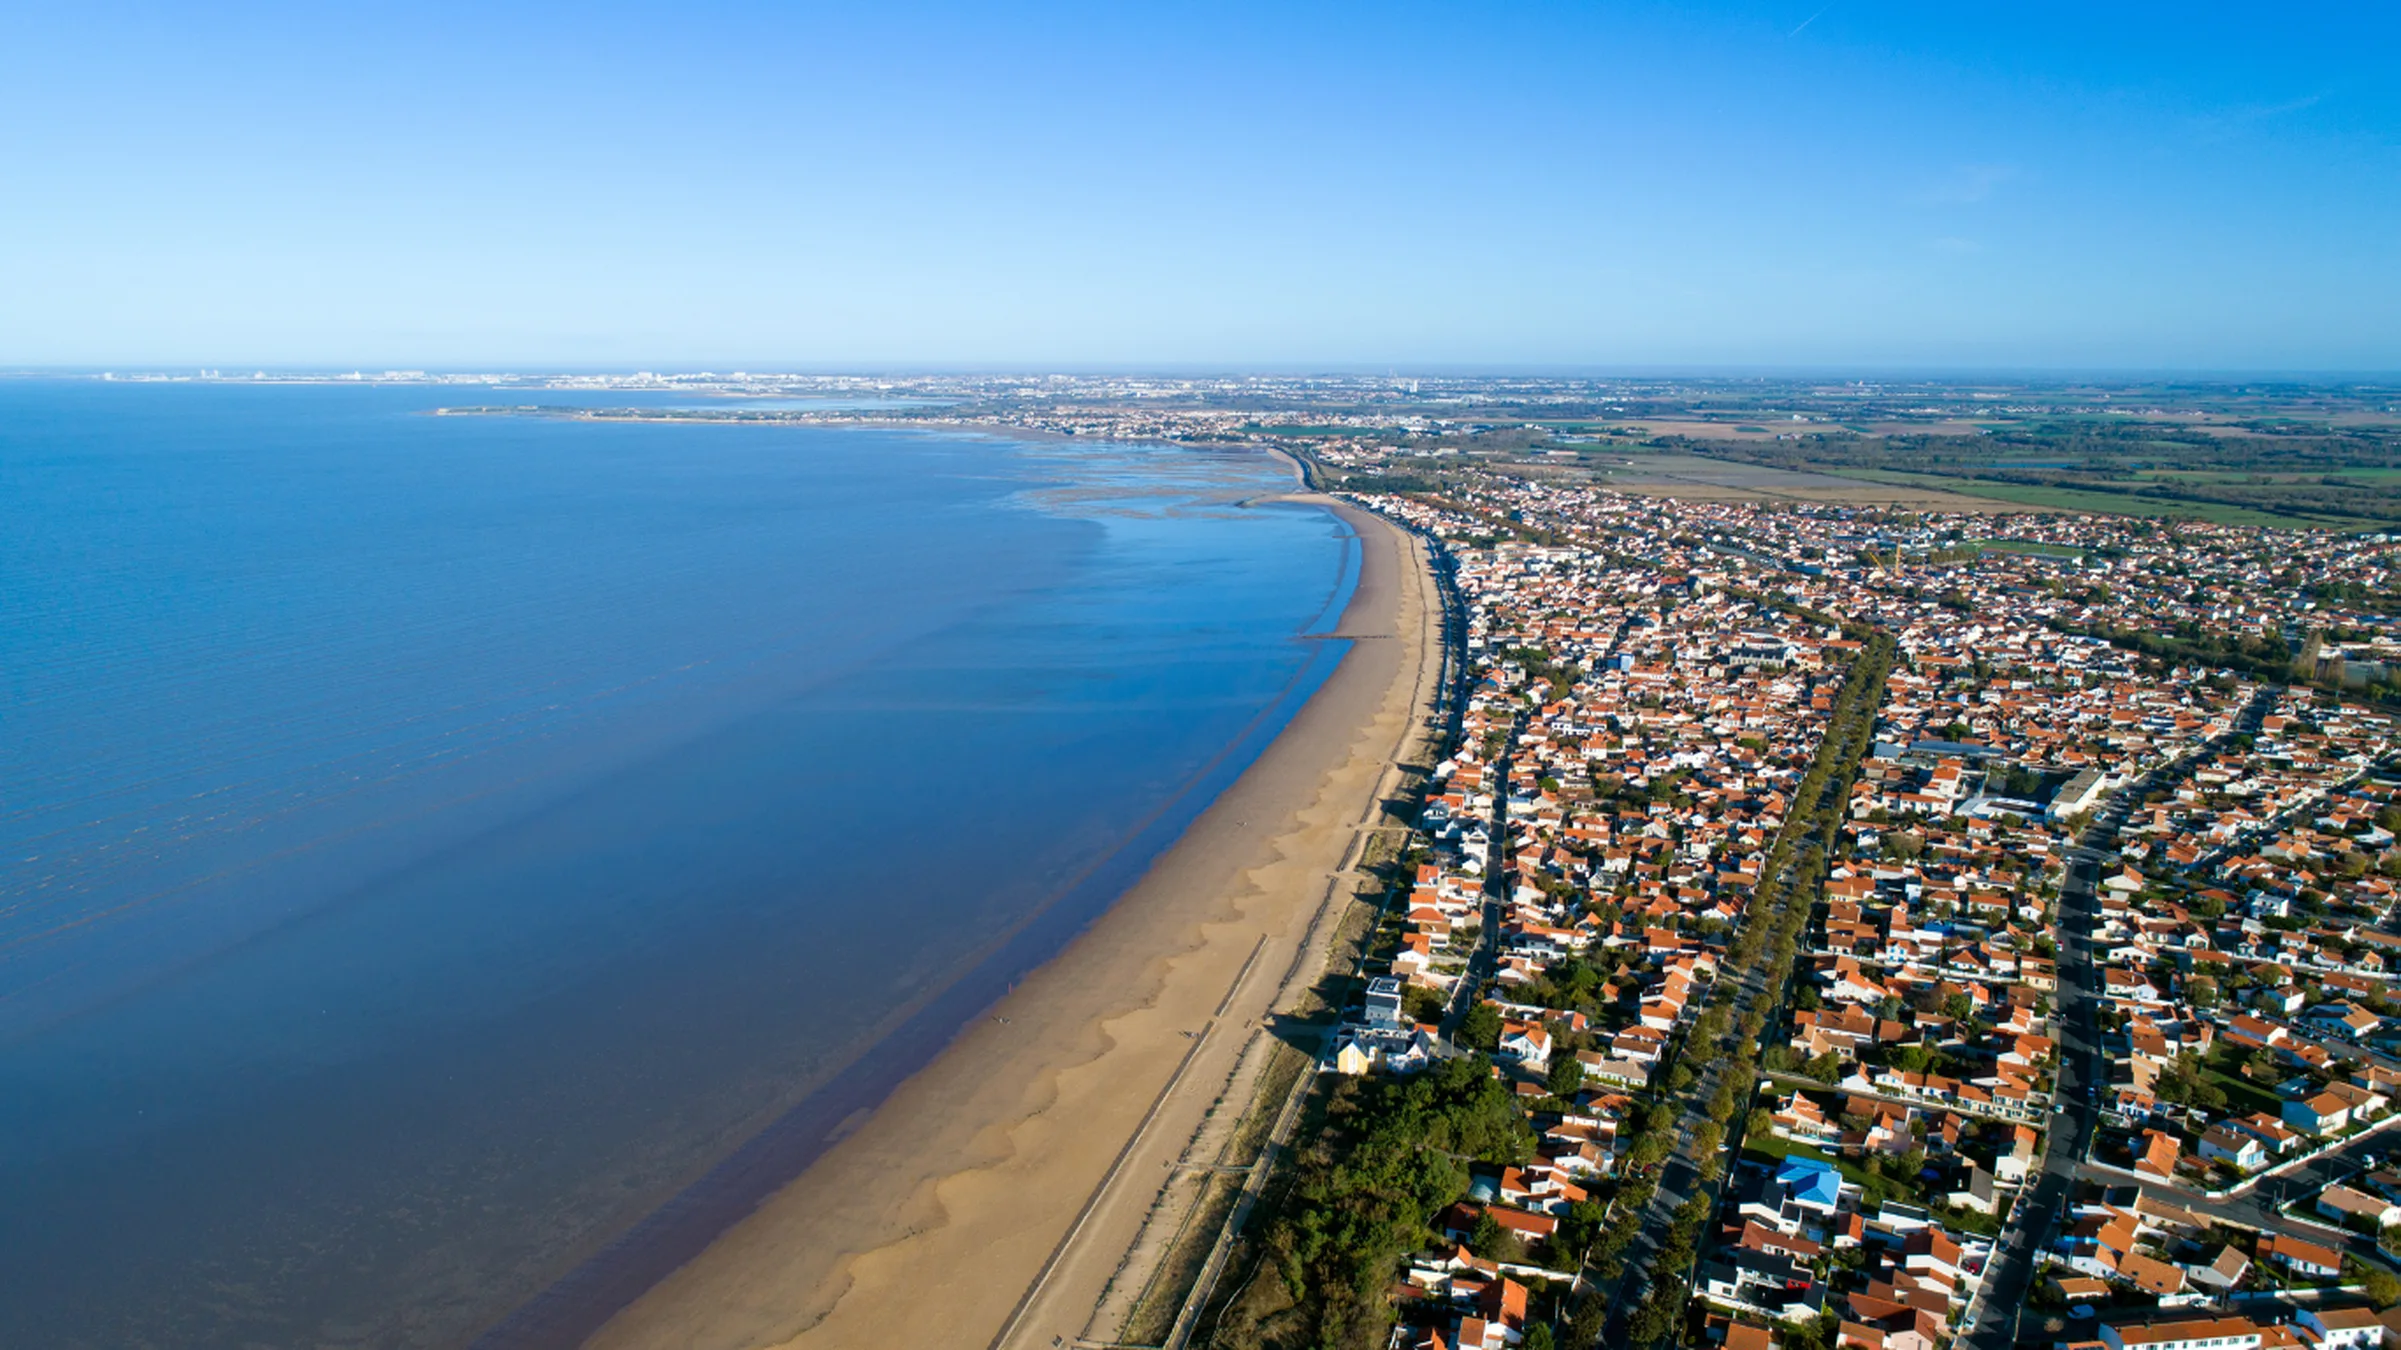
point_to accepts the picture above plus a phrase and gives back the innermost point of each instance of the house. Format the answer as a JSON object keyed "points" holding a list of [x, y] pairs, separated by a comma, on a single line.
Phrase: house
{"points": [[1973, 1189], [1353, 1059], [2159, 1279], [1741, 1335], [2229, 1145], [1503, 1305], [2366, 1103], [2343, 1203], [2012, 1164], [2157, 1157], [1394, 1050], [1811, 1183], [2307, 1260], [2342, 1328], [2322, 1114], [2222, 1273], [2283, 1001], [1799, 1117], [2269, 1131], [2189, 1333], [1527, 1043], [1749, 1278], [2075, 795], [2346, 1020], [1476, 1333], [2081, 1289], [2251, 1032], [2099, 1242]]}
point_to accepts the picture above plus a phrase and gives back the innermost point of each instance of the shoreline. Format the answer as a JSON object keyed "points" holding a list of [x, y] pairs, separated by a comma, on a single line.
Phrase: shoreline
{"points": [[990, 427], [995, 1195]]}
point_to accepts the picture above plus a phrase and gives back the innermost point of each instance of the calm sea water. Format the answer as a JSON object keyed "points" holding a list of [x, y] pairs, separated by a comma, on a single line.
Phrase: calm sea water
{"points": [[430, 844]]}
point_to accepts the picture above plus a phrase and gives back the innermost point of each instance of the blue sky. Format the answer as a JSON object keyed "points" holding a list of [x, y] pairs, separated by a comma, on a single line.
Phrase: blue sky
{"points": [[1847, 185]]}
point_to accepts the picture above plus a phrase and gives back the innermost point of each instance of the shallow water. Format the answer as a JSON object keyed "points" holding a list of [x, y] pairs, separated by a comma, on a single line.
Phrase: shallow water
{"points": [[429, 844]]}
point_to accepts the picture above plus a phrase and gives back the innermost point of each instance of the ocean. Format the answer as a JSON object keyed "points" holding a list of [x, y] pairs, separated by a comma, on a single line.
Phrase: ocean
{"points": [[450, 865]]}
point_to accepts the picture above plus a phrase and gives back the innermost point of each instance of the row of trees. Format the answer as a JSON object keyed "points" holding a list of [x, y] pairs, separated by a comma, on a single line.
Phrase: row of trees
{"points": [[1768, 944]]}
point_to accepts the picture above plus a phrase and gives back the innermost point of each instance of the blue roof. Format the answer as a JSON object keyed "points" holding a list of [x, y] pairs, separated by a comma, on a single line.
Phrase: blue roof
{"points": [[1811, 1180]]}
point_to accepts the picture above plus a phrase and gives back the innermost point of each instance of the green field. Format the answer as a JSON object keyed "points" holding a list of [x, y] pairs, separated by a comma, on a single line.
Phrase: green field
{"points": [[2096, 503], [2241, 1093], [2243, 477]]}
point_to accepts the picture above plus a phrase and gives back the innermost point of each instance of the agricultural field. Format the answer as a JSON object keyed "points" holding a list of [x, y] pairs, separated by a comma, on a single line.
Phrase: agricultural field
{"points": [[2043, 497]]}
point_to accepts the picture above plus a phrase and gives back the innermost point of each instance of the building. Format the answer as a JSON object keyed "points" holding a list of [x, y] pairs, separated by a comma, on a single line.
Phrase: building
{"points": [[2229, 1145], [2322, 1114], [2305, 1259], [2192, 1333], [2076, 795], [2343, 1328], [2344, 1203]]}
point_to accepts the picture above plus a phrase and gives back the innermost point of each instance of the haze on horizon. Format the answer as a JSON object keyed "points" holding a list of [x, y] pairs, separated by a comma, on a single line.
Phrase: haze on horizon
{"points": [[1792, 183]]}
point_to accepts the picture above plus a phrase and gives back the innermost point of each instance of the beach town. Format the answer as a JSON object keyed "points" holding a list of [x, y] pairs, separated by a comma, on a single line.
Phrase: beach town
{"points": [[1837, 926], [1007, 714]]}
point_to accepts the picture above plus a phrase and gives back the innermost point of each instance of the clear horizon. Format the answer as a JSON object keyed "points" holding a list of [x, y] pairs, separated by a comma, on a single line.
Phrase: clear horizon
{"points": [[1745, 188], [898, 370]]}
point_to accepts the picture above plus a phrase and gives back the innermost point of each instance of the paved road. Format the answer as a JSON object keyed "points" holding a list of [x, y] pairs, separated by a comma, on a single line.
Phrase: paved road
{"points": [[2083, 1072], [2257, 1207], [1680, 1176], [1486, 958], [2009, 1276]]}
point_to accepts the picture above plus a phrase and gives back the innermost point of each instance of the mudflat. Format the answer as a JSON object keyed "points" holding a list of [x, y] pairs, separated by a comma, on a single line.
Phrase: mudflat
{"points": [[994, 1197]]}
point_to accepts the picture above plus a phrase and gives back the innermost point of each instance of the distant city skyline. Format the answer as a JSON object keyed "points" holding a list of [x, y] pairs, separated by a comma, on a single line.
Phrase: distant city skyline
{"points": [[1607, 188]]}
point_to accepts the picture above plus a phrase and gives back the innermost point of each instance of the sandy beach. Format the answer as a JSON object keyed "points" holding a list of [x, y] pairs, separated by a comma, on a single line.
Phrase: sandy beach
{"points": [[996, 1194]]}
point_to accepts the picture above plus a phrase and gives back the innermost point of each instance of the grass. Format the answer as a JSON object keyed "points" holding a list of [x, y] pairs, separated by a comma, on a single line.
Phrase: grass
{"points": [[1155, 1311], [2074, 499], [1969, 1221], [2242, 1095], [1873, 1189], [2366, 472]]}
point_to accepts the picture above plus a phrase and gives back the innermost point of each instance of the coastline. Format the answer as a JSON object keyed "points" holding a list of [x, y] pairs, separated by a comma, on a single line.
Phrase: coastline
{"points": [[994, 1197], [736, 418]]}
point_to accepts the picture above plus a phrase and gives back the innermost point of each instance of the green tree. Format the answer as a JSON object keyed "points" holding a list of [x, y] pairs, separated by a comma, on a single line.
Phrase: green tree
{"points": [[1566, 1076], [1590, 1319], [1578, 1229], [1480, 1029], [1421, 1004], [1661, 1309], [1648, 1150], [1493, 1242], [1707, 1138], [2381, 1287]]}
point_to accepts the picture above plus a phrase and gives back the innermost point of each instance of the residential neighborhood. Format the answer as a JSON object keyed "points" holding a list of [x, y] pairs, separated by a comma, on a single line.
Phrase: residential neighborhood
{"points": [[2092, 866]]}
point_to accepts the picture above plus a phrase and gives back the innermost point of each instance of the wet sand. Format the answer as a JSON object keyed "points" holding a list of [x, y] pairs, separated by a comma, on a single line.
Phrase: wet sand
{"points": [[993, 1197]]}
